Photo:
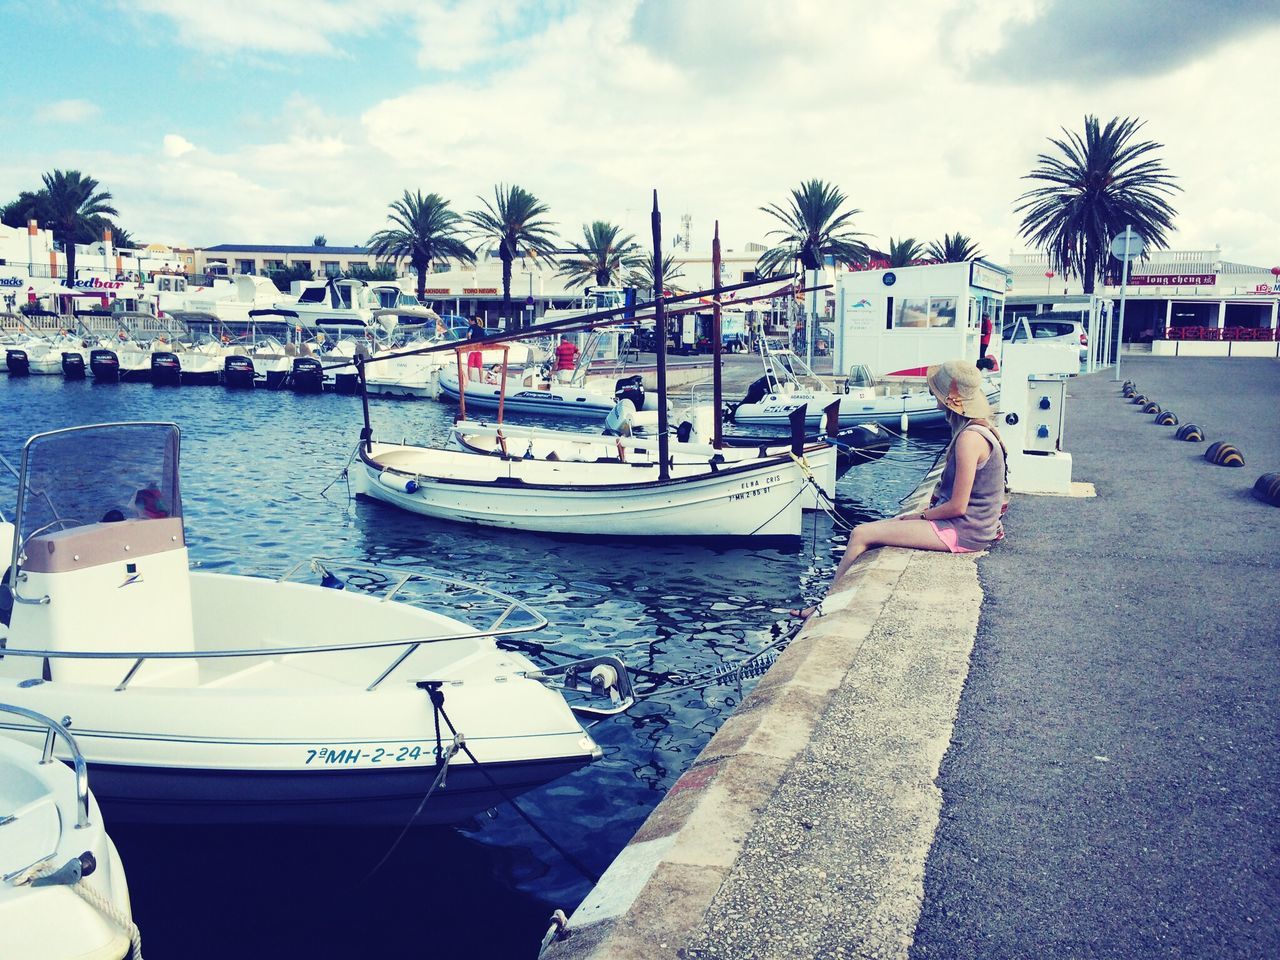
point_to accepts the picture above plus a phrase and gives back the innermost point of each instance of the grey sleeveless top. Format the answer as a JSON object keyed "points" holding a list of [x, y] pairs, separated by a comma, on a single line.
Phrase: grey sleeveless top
{"points": [[980, 525]]}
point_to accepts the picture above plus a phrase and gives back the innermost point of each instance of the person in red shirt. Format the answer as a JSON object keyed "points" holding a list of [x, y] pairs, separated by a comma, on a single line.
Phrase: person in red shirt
{"points": [[566, 359]]}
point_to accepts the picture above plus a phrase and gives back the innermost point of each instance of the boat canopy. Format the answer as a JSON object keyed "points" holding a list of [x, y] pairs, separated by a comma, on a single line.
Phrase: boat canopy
{"points": [[103, 473]]}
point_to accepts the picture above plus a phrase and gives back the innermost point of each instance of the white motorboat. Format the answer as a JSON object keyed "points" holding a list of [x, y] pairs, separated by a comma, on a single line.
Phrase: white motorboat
{"points": [[615, 498], [63, 894], [214, 698], [347, 306], [788, 383]]}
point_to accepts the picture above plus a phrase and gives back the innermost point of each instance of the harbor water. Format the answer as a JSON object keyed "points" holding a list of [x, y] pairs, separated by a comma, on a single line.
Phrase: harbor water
{"points": [[253, 470]]}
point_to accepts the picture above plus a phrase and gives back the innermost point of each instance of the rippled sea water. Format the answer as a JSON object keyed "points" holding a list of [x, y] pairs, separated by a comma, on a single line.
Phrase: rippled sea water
{"points": [[253, 468]]}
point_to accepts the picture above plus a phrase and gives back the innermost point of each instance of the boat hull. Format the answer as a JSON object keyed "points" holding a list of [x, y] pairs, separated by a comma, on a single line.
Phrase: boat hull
{"points": [[920, 409], [760, 499]]}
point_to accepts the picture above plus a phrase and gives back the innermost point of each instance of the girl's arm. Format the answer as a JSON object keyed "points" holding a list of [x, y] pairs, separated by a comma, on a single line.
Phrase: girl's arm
{"points": [[969, 447]]}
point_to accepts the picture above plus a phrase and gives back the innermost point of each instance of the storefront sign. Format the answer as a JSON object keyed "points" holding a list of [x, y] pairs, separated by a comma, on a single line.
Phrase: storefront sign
{"points": [[860, 316], [96, 284], [1173, 279], [471, 291], [984, 278], [11, 282], [437, 292]]}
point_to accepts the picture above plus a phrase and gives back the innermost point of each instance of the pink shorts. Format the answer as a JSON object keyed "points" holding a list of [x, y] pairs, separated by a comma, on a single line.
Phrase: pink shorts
{"points": [[948, 537]]}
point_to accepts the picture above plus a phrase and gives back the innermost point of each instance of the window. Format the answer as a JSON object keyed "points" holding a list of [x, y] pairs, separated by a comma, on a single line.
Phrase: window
{"points": [[888, 313], [270, 265], [331, 268], [921, 313], [942, 312], [912, 312], [246, 266]]}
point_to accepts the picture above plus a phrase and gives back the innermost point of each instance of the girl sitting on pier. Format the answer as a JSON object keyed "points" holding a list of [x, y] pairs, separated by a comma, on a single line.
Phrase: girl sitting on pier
{"points": [[964, 516]]}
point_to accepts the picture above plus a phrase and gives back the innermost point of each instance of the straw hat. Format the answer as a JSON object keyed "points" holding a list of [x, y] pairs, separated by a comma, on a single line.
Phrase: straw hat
{"points": [[958, 385]]}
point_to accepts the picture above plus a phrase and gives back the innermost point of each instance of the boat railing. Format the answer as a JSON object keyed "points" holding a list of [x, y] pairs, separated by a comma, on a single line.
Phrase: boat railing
{"points": [[383, 582], [53, 730]]}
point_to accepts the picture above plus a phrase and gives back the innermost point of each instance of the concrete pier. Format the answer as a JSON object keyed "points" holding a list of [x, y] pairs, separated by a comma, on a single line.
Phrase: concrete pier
{"points": [[1111, 785]]}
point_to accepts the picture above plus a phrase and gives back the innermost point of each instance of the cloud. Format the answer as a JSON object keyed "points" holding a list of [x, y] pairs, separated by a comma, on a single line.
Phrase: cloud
{"points": [[68, 111], [1090, 44], [175, 145]]}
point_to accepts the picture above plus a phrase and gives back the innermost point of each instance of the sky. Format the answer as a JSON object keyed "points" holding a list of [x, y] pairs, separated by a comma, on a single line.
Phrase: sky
{"points": [[271, 121]]}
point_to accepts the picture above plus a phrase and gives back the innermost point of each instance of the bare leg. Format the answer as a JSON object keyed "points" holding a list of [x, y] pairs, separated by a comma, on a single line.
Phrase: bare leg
{"points": [[916, 534]]}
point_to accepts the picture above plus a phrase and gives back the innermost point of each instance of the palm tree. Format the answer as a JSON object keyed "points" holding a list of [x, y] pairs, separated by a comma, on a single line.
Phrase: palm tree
{"points": [[813, 228], [601, 256], [512, 225], [904, 252], [75, 208], [1094, 187], [641, 275], [955, 248], [424, 231]]}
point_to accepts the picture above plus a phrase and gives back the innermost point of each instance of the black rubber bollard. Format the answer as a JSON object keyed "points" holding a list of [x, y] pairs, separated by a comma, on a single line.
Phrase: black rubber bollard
{"points": [[1267, 489], [1224, 454], [1153, 407], [1167, 419], [1140, 399], [1191, 433]]}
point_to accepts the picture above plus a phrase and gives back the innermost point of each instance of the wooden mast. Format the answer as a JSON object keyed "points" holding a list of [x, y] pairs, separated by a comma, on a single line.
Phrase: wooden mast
{"points": [[716, 338], [660, 326]]}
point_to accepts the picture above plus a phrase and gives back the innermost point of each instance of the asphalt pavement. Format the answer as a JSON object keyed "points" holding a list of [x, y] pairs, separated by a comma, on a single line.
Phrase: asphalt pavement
{"points": [[1112, 788]]}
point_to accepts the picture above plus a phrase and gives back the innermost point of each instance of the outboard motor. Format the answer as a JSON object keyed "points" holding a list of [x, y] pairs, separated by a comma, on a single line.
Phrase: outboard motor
{"points": [[308, 375], [73, 366], [238, 373], [105, 366], [18, 362], [630, 388], [166, 371], [348, 384], [756, 392]]}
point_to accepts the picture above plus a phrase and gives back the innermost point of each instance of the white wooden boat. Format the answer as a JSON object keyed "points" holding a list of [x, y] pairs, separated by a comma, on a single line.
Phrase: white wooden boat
{"points": [[788, 384], [613, 498], [818, 459], [320, 697], [63, 894]]}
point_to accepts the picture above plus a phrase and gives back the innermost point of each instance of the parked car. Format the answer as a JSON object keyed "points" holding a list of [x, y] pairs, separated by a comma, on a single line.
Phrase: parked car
{"points": [[1048, 330]]}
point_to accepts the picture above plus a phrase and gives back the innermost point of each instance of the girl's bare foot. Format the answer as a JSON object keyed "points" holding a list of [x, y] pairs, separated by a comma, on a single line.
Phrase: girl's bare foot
{"points": [[807, 612]]}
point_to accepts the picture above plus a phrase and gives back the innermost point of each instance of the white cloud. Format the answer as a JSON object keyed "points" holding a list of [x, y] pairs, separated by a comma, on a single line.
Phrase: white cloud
{"points": [[721, 106], [176, 145], [68, 111]]}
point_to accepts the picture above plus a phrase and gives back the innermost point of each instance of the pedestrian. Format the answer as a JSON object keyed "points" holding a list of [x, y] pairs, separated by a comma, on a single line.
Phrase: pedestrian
{"points": [[566, 359], [475, 358], [985, 335], [969, 501]]}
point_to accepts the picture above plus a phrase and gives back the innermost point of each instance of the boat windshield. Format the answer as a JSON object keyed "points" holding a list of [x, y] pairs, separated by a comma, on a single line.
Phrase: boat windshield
{"points": [[860, 376], [97, 474]]}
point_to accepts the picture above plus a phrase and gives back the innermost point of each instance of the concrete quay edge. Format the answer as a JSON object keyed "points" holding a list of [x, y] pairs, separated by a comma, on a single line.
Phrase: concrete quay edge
{"points": [[852, 722]]}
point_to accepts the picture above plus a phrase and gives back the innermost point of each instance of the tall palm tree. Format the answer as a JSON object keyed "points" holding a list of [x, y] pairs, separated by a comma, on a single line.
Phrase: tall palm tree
{"points": [[641, 275], [954, 248], [423, 231], [601, 256], [512, 225], [75, 208], [904, 252], [1094, 186], [814, 227]]}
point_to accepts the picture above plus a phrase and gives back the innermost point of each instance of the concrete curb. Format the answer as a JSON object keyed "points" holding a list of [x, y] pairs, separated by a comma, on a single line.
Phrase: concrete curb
{"points": [[822, 780]]}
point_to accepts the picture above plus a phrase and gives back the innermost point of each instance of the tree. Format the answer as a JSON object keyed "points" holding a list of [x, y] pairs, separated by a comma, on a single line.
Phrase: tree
{"points": [[955, 248], [512, 226], [813, 228], [75, 208], [904, 252], [283, 278], [319, 240], [29, 206], [641, 275], [601, 256], [1093, 187], [424, 231]]}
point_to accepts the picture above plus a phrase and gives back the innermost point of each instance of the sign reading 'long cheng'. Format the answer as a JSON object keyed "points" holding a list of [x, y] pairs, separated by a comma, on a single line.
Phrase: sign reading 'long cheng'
{"points": [[1173, 279]]}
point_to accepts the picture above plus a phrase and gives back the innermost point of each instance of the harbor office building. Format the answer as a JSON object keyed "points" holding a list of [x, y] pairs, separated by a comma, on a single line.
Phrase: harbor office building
{"points": [[1182, 302], [905, 318]]}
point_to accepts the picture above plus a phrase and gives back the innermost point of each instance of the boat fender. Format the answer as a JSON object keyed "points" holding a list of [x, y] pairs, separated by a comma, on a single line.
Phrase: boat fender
{"points": [[1167, 419], [1224, 454], [1267, 489], [684, 432], [1191, 433], [397, 482], [1152, 407]]}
